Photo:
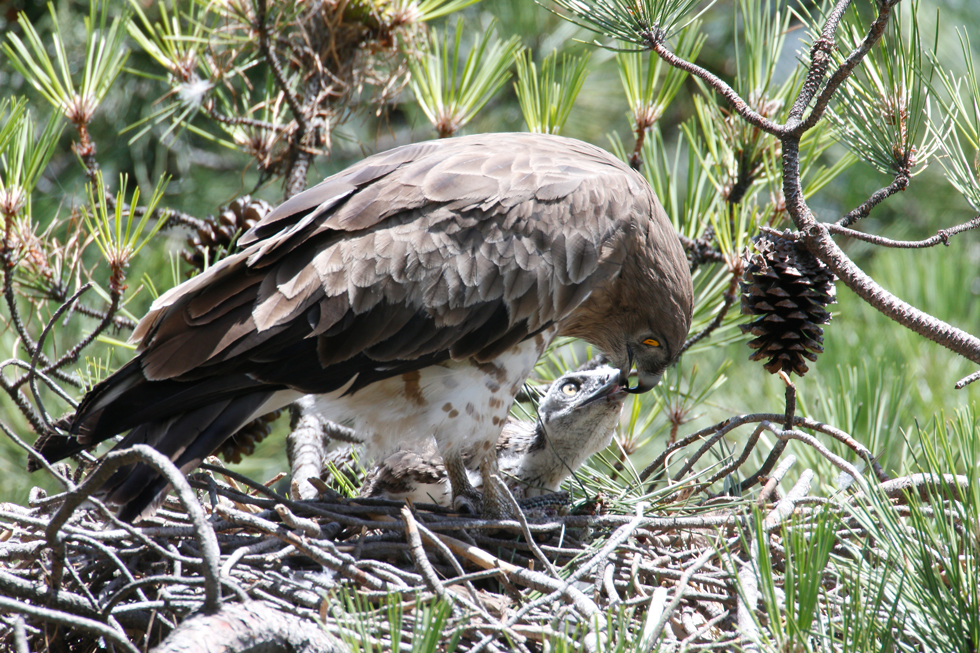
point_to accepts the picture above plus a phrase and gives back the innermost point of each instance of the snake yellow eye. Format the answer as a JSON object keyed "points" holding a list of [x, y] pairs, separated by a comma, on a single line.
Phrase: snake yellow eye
{"points": [[570, 389], [650, 342]]}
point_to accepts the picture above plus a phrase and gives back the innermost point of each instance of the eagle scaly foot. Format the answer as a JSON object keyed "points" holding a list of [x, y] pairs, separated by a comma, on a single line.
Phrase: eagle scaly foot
{"points": [[466, 498]]}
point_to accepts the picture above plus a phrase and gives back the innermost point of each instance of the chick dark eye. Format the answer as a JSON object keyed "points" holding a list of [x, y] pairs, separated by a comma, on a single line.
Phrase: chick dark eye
{"points": [[570, 389], [650, 342]]}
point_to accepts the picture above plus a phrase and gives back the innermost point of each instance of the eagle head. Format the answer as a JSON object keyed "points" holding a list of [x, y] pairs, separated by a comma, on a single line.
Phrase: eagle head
{"points": [[641, 316]]}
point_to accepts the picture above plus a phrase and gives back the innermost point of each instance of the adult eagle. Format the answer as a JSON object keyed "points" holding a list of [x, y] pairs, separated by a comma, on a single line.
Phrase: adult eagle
{"points": [[412, 292]]}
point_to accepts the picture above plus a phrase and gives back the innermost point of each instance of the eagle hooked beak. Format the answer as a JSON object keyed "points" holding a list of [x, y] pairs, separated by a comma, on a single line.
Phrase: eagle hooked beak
{"points": [[645, 380]]}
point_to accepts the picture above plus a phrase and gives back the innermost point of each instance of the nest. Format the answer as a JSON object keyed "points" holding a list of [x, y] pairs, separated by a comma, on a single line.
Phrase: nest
{"points": [[229, 564]]}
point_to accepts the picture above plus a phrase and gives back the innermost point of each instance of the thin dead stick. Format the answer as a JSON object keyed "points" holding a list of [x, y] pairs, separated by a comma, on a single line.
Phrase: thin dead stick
{"points": [[516, 508], [679, 592], [534, 580], [942, 237], [785, 507], [431, 537], [835, 460], [419, 557], [777, 475], [57, 616], [340, 562], [927, 486]]}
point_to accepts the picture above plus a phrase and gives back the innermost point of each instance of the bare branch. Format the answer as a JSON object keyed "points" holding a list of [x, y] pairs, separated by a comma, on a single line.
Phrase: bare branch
{"points": [[941, 237], [58, 616], [516, 509], [421, 560], [819, 60], [819, 242], [774, 479], [242, 121], [262, 29], [875, 32], [30, 376], [740, 106], [146, 454], [787, 505], [900, 183], [728, 297], [927, 486]]}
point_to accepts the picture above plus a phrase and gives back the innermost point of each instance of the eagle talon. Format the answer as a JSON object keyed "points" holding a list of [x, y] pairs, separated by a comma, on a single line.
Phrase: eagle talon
{"points": [[468, 503]]}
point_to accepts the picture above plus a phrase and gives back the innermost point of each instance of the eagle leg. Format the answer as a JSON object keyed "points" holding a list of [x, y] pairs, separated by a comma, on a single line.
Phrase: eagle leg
{"points": [[466, 498], [494, 506]]}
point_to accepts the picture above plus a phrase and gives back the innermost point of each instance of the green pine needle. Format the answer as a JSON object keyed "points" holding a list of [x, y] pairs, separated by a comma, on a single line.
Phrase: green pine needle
{"points": [[641, 23], [450, 90], [883, 109], [546, 99], [105, 54]]}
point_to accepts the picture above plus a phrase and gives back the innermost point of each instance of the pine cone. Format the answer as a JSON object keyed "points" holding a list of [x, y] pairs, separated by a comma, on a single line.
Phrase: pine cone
{"points": [[244, 441], [217, 237], [788, 289]]}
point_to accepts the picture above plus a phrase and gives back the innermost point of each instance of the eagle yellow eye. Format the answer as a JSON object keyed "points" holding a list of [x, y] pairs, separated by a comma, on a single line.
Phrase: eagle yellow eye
{"points": [[650, 342], [570, 389]]}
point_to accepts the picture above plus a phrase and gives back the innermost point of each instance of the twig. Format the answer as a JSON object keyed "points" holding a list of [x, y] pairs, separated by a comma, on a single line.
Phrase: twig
{"points": [[679, 592], [262, 29], [875, 32], [51, 383], [171, 217], [748, 599], [419, 557], [835, 460], [20, 635], [522, 518], [307, 526], [900, 183], [335, 560], [242, 121], [790, 401], [967, 380], [534, 580], [785, 507], [462, 576], [740, 106], [819, 60], [29, 377], [928, 486], [61, 478], [72, 354], [733, 465], [789, 418], [728, 297], [777, 475], [941, 237]]}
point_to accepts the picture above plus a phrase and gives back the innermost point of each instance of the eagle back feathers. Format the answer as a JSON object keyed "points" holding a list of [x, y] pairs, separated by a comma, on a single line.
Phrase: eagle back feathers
{"points": [[470, 238]]}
